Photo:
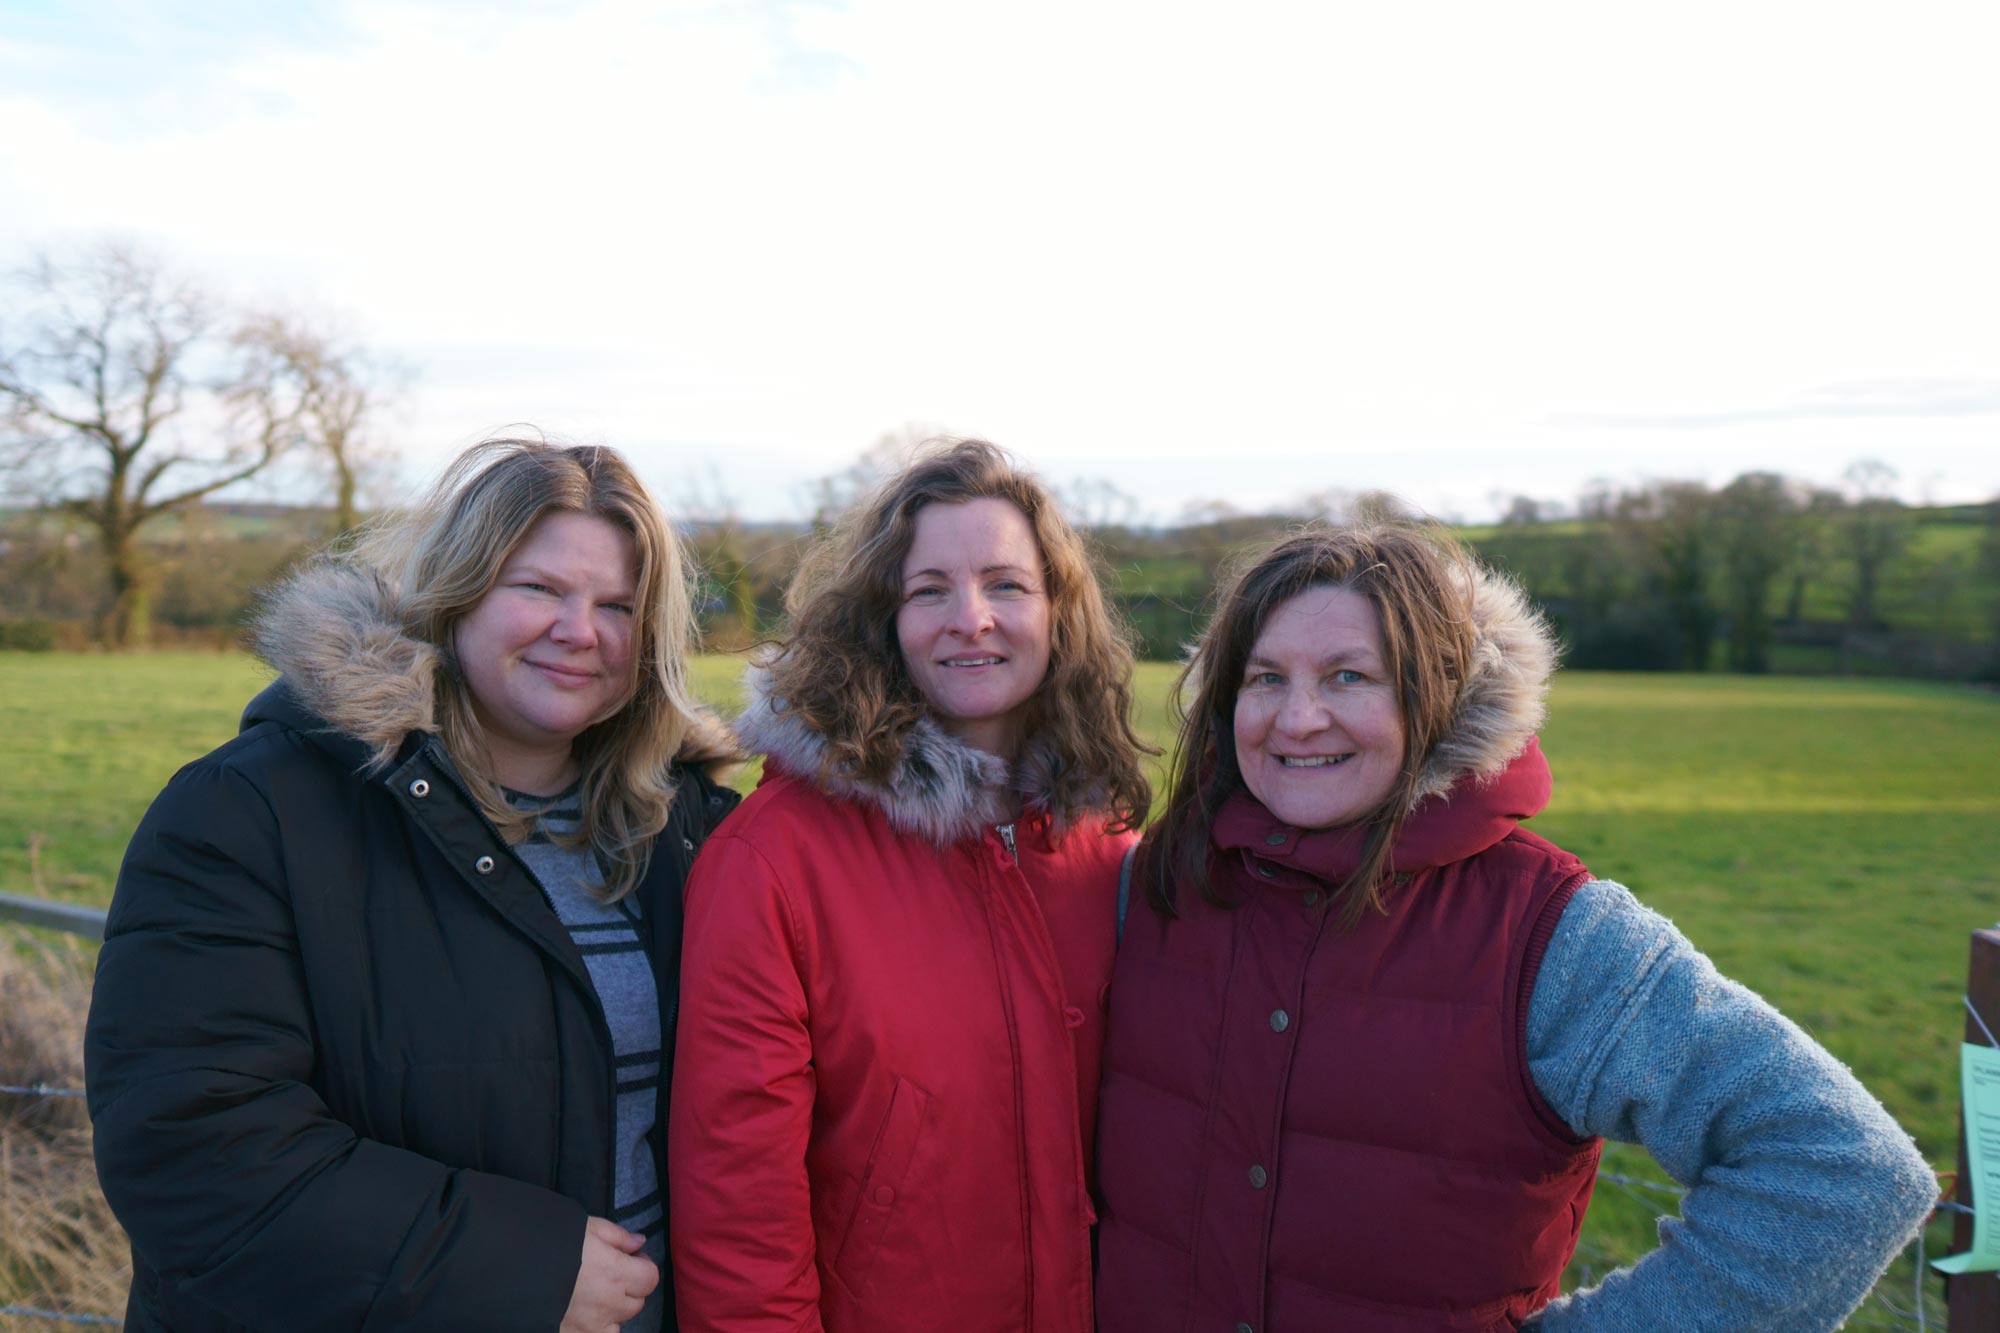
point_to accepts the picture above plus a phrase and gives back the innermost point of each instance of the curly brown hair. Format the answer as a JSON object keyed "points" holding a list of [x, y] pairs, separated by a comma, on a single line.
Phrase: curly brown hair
{"points": [[841, 670], [1419, 580]]}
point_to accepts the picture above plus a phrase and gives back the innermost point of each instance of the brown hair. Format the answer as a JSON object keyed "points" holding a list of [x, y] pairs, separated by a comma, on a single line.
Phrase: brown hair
{"points": [[841, 669], [1419, 581], [444, 556]]}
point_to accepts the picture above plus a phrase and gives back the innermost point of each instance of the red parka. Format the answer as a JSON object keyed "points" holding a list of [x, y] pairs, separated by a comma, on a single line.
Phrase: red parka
{"points": [[886, 1071]]}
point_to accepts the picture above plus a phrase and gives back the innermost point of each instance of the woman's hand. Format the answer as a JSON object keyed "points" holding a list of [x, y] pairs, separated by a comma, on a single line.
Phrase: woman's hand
{"points": [[613, 1282]]}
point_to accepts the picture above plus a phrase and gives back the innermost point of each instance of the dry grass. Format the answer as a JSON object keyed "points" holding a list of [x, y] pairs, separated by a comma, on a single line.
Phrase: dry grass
{"points": [[60, 1247]]}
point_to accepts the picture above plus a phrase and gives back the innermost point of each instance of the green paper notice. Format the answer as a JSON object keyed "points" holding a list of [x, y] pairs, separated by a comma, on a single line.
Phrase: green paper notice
{"points": [[1981, 1075]]}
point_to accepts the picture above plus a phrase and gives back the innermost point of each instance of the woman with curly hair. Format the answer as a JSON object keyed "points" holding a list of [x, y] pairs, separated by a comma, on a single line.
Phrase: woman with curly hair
{"points": [[897, 949], [1366, 1044], [388, 982]]}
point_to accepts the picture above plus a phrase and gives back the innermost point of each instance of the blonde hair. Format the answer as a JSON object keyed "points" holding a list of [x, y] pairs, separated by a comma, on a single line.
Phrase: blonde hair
{"points": [[442, 558], [842, 671], [1419, 582]]}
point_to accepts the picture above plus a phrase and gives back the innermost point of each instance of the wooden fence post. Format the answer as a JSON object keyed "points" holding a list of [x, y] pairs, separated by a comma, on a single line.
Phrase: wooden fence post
{"points": [[1973, 1299]]}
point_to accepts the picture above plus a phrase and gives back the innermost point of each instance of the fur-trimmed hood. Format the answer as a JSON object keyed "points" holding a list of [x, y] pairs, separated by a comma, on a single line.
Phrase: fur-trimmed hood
{"points": [[1501, 707], [943, 789], [1502, 704], [337, 635]]}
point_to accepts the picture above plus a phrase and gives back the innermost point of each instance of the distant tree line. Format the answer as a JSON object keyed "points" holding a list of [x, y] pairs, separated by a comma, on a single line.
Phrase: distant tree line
{"points": [[1763, 574], [130, 396]]}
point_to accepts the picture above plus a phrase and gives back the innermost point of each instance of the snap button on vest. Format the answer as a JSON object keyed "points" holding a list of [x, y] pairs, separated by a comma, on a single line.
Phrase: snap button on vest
{"points": [[420, 789], [1072, 1016], [1265, 870], [1280, 1020], [1274, 839], [1245, 1328], [1312, 897], [484, 865], [1257, 1177], [883, 1196]]}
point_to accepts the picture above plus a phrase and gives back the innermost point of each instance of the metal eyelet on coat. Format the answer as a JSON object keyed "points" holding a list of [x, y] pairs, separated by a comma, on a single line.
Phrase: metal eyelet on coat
{"points": [[1265, 870], [484, 865], [689, 844], [420, 789]]}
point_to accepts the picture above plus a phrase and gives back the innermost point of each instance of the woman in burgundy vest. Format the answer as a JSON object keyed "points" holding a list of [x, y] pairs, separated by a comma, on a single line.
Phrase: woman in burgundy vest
{"points": [[1366, 1032]]}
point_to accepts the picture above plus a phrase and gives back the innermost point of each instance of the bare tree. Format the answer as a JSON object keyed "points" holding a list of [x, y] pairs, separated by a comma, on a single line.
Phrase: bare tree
{"points": [[1667, 524], [119, 403], [828, 497], [1872, 532], [331, 391], [1754, 525], [717, 539], [1098, 504], [1818, 509]]}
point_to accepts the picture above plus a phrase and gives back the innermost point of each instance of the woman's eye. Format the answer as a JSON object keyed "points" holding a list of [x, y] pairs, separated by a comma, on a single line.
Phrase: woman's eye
{"points": [[1348, 676], [925, 594], [622, 608], [532, 586], [1264, 678]]}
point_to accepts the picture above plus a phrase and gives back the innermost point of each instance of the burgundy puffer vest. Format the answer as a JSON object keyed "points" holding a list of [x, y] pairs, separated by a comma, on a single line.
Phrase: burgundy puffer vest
{"points": [[1306, 1129]]}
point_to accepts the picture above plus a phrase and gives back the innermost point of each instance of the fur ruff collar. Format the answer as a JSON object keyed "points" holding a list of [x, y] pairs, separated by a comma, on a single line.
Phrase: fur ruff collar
{"points": [[336, 633], [942, 789], [1503, 701]]}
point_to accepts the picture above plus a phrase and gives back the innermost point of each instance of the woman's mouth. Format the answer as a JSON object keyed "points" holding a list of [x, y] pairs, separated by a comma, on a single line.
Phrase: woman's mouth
{"points": [[1313, 760], [563, 675]]}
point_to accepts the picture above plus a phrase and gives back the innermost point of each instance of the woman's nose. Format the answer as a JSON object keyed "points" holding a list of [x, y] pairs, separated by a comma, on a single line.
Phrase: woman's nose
{"points": [[1301, 713], [574, 626], [972, 615]]}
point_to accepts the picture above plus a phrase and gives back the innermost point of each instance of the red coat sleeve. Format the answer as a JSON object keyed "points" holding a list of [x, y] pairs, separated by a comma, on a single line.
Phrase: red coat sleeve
{"points": [[742, 1102]]}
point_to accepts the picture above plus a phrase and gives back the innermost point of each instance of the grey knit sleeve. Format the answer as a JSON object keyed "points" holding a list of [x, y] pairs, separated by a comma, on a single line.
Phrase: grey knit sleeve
{"points": [[1801, 1189]]}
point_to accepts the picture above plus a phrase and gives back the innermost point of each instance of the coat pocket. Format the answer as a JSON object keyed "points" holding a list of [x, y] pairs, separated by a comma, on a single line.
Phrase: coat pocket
{"points": [[885, 1179]]}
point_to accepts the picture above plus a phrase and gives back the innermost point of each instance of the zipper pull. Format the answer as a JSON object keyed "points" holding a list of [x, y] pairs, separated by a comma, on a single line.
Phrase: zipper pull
{"points": [[1006, 832]]}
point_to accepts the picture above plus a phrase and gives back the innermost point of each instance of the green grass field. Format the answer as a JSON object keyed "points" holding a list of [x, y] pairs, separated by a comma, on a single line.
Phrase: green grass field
{"points": [[1829, 843]]}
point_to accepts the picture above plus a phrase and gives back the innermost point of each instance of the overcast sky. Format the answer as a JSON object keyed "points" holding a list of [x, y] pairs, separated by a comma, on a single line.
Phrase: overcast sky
{"points": [[1208, 252]]}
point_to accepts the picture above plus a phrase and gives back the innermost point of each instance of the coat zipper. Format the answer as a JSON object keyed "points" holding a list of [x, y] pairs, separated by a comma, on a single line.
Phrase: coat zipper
{"points": [[595, 1009], [1006, 832]]}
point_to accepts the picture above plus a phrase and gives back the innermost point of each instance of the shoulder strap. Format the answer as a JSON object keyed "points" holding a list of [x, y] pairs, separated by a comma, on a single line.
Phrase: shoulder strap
{"points": [[1125, 887]]}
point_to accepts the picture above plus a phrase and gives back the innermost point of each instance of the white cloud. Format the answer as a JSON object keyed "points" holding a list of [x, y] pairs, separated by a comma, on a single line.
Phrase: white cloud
{"points": [[1361, 240]]}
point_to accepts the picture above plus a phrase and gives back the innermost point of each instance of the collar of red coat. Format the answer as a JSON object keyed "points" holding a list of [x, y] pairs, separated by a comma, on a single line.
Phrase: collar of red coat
{"points": [[1464, 821]]}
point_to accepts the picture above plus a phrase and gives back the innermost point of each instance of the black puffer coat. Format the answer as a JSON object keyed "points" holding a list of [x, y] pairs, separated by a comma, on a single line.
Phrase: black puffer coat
{"points": [[347, 1070]]}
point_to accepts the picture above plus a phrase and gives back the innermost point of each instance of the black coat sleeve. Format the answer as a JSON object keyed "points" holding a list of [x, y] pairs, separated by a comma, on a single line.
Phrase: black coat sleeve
{"points": [[237, 1185]]}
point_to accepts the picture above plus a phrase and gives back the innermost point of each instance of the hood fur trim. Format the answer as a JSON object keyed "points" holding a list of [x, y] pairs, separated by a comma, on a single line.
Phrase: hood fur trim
{"points": [[1503, 701], [336, 633], [943, 789]]}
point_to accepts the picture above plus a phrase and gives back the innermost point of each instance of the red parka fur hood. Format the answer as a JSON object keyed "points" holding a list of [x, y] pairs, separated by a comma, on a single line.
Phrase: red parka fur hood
{"points": [[889, 1040]]}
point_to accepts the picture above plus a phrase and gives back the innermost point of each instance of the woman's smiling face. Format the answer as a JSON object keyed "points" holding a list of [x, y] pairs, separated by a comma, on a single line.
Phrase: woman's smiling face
{"points": [[547, 651], [1319, 734], [974, 621]]}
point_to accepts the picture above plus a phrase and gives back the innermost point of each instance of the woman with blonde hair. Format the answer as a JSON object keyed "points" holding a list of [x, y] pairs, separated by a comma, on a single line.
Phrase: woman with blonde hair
{"points": [[1367, 1041], [385, 1005], [897, 949]]}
